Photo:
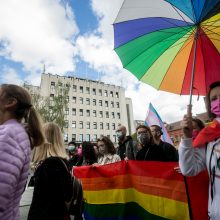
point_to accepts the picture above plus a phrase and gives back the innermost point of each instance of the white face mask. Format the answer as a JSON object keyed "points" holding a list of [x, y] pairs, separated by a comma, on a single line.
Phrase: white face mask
{"points": [[71, 148], [119, 135]]}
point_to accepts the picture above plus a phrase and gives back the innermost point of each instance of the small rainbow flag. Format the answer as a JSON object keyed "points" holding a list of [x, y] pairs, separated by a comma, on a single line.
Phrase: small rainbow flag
{"points": [[134, 190]]}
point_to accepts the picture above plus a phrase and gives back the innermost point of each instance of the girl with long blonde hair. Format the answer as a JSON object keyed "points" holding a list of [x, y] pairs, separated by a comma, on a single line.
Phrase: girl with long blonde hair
{"points": [[52, 181]]}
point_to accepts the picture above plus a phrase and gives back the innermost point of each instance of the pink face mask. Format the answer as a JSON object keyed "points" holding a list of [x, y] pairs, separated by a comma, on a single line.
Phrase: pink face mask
{"points": [[215, 107], [194, 133]]}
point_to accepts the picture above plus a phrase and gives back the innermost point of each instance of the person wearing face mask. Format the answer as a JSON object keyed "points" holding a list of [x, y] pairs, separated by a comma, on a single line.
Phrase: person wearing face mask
{"points": [[169, 149], [149, 150], [74, 158], [203, 153], [126, 146]]}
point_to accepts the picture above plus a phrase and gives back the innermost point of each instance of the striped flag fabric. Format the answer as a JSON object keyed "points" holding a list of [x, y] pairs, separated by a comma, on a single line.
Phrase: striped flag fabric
{"points": [[133, 190], [153, 118]]}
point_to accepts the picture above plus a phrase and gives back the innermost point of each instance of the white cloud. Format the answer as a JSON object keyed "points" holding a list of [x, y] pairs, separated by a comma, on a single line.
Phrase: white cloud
{"points": [[97, 51], [36, 32], [10, 76]]}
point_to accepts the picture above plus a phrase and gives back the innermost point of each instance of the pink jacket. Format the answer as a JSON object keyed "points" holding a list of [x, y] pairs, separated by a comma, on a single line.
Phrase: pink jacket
{"points": [[14, 165]]}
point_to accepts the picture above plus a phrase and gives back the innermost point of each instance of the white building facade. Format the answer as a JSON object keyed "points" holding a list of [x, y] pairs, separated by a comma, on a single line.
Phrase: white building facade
{"points": [[94, 108]]}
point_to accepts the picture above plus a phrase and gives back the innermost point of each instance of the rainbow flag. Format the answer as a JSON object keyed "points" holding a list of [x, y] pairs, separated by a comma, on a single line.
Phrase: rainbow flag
{"points": [[134, 190], [153, 118]]}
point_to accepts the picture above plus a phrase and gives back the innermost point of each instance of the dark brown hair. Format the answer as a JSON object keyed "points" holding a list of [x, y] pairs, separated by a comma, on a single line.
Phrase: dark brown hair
{"points": [[108, 144], [208, 101], [24, 111], [88, 152], [199, 123]]}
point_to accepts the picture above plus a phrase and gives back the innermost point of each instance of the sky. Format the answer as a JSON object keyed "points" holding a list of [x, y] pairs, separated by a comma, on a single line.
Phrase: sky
{"points": [[75, 38]]}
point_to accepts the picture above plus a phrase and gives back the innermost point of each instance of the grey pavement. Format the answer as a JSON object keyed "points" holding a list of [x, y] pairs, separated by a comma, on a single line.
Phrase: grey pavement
{"points": [[25, 202]]}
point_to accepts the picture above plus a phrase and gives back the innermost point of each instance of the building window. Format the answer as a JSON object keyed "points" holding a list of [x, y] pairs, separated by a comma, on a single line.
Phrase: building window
{"points": [[113, 115], [94, 102], [100, 114], [73, 137], [67, 111], [52, 86], [100, 102], [81, 137], [73, 124], [117, 104], [94, 125], [87, 137], [74, 99], [94, 113], [112, 104], [73, 111], [74, 88], [81, 112], [87, 101], [88, 113], [67, 99], [101, 125], [107, 114], [87, 90], [107, 126], [117, 95], [81, 89], [81, 124], [88, 125], [111, 93], [80, 100], [95, 137], [114, 138], [51, 97], [113, 126], [106, 93], [118, 115], [106, 103], [66, 124], [100, 92], [65, 137], [94, 91]]}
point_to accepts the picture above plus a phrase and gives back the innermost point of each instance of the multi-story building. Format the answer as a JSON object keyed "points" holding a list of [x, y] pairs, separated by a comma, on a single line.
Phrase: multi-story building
{"points": [[94, 108]]}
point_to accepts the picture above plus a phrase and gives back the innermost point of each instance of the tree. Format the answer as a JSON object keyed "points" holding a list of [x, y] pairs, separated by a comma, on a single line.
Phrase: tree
{"points": [[52, 108]]}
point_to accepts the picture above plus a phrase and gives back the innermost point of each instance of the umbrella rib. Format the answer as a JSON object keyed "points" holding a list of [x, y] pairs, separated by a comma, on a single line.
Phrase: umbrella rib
{"points": [[182, 48], [214, 33], [148, 49], [179, 13], [194, 15]]}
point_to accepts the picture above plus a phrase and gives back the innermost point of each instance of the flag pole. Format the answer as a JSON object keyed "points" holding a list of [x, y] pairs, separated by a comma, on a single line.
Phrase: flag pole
{"points": [[189, 107]]}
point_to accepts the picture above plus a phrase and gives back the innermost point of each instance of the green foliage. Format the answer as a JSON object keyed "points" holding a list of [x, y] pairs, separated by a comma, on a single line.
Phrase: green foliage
{"points": [[51, 109]]}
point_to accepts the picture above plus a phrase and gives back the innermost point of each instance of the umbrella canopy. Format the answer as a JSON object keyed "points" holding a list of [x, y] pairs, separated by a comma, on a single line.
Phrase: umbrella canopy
{"points": [[172, 45]]}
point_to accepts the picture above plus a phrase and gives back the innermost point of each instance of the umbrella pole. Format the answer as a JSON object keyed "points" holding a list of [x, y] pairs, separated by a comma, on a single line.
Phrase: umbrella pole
{"points": [[189, 107]]}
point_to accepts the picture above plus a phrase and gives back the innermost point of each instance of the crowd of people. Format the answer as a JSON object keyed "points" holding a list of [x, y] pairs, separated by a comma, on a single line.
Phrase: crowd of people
{"points": [[21, 132]]}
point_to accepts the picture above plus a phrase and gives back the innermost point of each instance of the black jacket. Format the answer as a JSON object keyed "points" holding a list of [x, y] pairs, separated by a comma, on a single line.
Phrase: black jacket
{"points": [[152, 153], [170, 151], [52, 188], [127, 149]]}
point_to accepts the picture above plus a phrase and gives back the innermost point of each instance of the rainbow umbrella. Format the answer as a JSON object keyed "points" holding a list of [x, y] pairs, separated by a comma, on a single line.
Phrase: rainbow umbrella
{"points": [[172, 45]]}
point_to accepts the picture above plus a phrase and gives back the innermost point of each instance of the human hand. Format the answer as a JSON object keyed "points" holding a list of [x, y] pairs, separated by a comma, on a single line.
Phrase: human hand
{"points": [[186, 125], [177, 169], [95, 165]]}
